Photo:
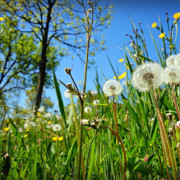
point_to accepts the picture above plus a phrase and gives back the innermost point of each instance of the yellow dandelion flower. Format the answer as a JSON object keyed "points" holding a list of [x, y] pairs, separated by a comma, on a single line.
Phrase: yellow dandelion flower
{"points": [[6, 129], [69, 106], [162, 35], [55, 138], [38, 114], [1, 19], [49, 122], [114, 77], [60, 138], [121, 60], [154, 25], [122, 75], [37, 120], [127, 67], [26, 135], [0, 101], [27, 130], [176, 15]]}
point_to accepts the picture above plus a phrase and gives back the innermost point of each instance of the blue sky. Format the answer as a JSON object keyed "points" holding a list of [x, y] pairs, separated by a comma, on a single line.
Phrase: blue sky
{"points": [[142, 11]]}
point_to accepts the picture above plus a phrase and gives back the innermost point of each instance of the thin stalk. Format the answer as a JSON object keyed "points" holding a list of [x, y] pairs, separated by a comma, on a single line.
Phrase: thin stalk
{"points": [[115, 115], [165, 138], [82, 111], [122, 145], [175, 102]]}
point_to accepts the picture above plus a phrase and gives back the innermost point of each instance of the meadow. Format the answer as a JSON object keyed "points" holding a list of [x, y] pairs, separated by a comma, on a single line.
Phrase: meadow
{"points": [[116, 131]]}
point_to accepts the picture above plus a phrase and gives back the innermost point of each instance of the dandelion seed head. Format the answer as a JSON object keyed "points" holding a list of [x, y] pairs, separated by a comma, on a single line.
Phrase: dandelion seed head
{"points": [[87, 109], [170, 60], [147, 76], [47, 115], [171, 75], [112, 88], [41, 109], [93, 92], [67, 93], [177, 60], [56, 127]]}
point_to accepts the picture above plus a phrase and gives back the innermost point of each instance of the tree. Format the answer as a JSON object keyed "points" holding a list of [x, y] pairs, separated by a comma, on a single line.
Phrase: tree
{"points": [[18, 59], [51, 22]]}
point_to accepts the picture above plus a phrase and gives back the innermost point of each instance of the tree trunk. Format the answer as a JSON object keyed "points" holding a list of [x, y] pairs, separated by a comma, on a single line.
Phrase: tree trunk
{"points": [[42, 66]]}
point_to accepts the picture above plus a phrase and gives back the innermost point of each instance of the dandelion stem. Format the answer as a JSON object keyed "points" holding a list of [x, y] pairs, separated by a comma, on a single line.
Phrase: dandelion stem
{"points": [[175, 102], [164, 138]]}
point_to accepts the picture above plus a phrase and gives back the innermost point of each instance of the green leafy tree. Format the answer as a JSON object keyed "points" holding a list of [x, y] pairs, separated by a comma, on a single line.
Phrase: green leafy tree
{"points": [[54, 24]]}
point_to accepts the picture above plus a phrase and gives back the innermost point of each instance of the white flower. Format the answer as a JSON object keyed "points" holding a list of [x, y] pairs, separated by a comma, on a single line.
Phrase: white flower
{"points": [[26, 125], [93, 92], [47, 115], [32, 124], [147, 76], [20, 130], [96, 101], [170, 60], [87, 109], [171, 75], [56, 127], [112, 87], [67, 93], [41, 109], [49, 126], [177, 60]]}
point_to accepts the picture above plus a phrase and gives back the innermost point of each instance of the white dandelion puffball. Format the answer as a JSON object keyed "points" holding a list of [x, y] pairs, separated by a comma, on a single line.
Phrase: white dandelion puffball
{"points": [[177, 60], [112, 87], [170, 60], [47, 115], [20, 129], [87, 109], [96, 101], [56, 127], [26, 125], [67, 93], [147, 76], [171, 75], [33, 124], [41, 109], [93, 92]]}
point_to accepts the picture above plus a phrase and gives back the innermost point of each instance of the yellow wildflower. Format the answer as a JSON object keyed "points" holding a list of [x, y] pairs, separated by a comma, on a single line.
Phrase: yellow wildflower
{"points": [[121, 60], [114, 77], [79, 82], [176, 15], [27, 129], [127, 67], [154, 25], [1, 19], [54, 138], [37, 120], [38, 114], [6, 129], [26, 135], [60, 138], [0, 101], [162, 35], [122, 75], [49, 122]]}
